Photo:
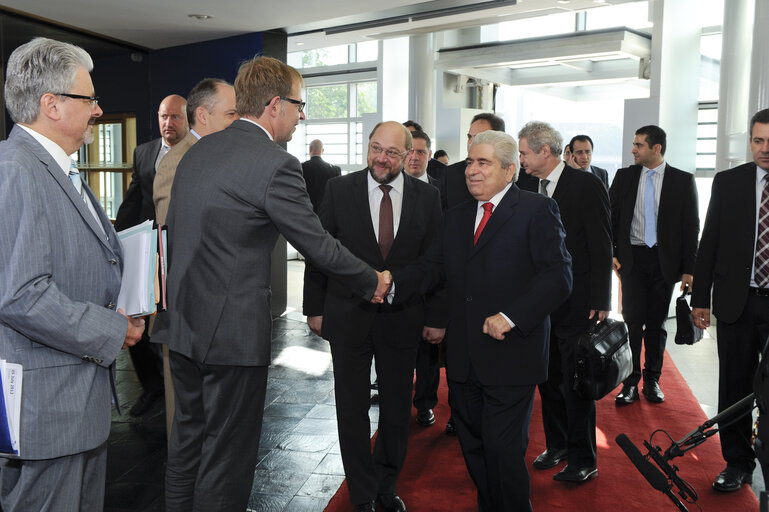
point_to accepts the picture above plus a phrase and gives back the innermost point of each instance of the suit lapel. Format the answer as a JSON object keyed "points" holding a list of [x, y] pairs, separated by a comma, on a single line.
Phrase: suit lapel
{"points": [[362, 210], [562, 187], [66, 185], [499, 217], [407, 212]]}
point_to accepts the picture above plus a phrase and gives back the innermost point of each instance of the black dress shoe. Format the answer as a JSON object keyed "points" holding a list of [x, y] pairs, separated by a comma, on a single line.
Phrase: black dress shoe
{"points": [[450, 428], [731, 479], [375, 384], [550, 458], [425, 417], [145, 402], [576, 474], [365, 507], [628, 395], [391, 503], [652, 392]]}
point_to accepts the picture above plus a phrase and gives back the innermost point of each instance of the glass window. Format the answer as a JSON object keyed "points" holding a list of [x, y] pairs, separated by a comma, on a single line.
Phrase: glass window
{"points": [[366, 98], [540, 26], [632, 15], [368, 51], [327, 102]]}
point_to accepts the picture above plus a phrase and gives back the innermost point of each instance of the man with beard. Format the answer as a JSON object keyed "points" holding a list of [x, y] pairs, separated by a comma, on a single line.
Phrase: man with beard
{"points": [[60, 271], [388, 219], [138, 206]]}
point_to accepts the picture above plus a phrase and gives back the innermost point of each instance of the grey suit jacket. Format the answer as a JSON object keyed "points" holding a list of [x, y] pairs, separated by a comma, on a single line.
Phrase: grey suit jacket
{"points": [[234, 192], [59, 277], [164, 178]]}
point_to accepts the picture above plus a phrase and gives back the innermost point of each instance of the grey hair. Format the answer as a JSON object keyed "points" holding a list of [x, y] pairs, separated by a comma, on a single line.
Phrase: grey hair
{"points": [[540, 134], [203, 95], [505, 148], [38, 67]]}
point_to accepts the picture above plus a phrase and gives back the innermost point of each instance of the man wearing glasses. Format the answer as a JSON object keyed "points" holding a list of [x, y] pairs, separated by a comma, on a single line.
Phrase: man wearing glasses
{"points": [[388, 219], [234, 191], [60, 271]]}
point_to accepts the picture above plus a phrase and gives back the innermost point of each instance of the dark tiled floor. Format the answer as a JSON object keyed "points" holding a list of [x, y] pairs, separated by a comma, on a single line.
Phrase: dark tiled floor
{"points": [[299, 466]]}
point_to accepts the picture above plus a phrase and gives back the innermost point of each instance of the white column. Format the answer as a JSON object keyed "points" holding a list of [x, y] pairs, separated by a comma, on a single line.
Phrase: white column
{"points": [[736, 88], [422, 82]]}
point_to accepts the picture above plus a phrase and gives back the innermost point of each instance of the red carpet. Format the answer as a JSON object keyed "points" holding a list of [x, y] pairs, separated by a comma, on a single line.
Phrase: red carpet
{"points": [[435, 478]]}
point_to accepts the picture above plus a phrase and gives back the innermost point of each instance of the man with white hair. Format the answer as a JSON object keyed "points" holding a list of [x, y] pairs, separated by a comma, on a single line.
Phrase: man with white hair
{"points": [[60, 272]]}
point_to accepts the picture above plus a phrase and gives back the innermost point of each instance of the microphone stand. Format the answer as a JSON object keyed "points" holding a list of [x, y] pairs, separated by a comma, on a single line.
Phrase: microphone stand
{"points": [[693, 439]]}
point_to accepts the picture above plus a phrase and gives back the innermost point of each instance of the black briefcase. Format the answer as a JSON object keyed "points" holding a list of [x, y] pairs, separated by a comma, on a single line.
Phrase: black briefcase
{"points": [[603, 359], [686, 332]]}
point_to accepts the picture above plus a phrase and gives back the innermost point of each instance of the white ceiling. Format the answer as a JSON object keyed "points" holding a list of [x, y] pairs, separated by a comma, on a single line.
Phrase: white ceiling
{"points": [[163, 23]]}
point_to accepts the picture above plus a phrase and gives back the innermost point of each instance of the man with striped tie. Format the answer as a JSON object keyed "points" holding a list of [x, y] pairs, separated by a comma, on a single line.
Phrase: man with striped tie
{"points": [[733, 260]]}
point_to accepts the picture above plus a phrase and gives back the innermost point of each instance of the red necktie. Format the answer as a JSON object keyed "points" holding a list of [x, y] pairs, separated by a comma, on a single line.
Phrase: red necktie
{"points": [[487, 207], [386, 234]]}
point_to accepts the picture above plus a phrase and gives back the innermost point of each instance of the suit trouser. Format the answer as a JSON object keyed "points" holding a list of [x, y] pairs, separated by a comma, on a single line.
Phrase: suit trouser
{"points": [[371, 474], [64, 484], [568, 419], [645, 303], [147, 363], [217, 424], [428, 372], [492, 424], [739, 345]]}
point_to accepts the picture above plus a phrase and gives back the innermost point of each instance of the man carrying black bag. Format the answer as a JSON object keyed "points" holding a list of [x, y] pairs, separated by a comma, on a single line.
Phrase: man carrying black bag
{"points": [[569, 419]]}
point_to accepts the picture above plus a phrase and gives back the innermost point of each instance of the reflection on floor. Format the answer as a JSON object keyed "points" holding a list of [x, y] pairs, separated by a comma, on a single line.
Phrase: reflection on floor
{"points": [[299, 465]]}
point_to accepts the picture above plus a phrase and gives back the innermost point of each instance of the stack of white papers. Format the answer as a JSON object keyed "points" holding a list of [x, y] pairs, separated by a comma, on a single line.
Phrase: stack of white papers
{"points": [[10, 408], [137, 290]]}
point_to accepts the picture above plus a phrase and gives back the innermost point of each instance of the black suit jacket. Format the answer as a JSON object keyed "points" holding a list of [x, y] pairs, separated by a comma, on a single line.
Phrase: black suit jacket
{"points": [[137, 205], [345, 214], [602, 175], [725, 256], [678, 221], [584, 206], [435, 168], [520, 267], [453, 186], [316, 173]]}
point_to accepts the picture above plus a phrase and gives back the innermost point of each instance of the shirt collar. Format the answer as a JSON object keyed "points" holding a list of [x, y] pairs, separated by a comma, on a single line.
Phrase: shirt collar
{"points": [[260, 126], [396, 184], [660, 169], [497, 197], [57, 153], [555, 174], [195, 134]]}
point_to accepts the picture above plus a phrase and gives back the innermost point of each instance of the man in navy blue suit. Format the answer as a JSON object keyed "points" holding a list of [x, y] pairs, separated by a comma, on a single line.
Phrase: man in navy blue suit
{"points": [[503, 259]]}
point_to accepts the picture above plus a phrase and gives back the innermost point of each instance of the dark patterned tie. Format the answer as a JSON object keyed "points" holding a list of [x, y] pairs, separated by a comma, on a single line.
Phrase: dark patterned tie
{"points": [[487, 207], [762, 240], [386, 234], [543, 187]]}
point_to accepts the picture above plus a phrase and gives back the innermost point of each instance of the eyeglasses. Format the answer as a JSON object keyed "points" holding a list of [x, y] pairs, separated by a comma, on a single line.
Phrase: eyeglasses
{"points": [[93, 100], [299, 103], [390, 153]]}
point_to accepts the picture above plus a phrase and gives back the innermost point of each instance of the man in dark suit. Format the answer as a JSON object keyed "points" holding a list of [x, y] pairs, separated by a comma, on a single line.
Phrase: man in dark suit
{"points": [[569, 419], [138, 206], [453, 186], [316, 173], [655, 223], [435, 168], [732, 261], [60, 272], [581, 147], [355, 210], [234, 192], [428, 370], [505, 266]]}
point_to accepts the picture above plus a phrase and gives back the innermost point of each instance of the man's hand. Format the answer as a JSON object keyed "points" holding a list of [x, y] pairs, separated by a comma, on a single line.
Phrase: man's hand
{"points": [[686, 280], [496, 326], [701, 317], [383, 288], [134, 331], [433, 335], [315, 323], [601, 315], [616, 265]]}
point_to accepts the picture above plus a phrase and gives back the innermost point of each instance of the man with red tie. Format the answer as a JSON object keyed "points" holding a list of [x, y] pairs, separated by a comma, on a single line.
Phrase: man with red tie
{"points": [[505, 267]]}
